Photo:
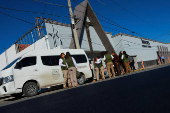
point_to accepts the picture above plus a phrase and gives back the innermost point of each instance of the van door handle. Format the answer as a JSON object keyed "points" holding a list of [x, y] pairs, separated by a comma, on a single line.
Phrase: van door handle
{"points": [[35, 70]]}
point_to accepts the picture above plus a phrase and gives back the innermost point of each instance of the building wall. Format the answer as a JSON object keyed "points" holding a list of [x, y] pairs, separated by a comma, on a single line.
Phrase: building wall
{"points": [[134, 47], [65, 35], [117, 44], [11, 53], [120, 42], [59, 36]]}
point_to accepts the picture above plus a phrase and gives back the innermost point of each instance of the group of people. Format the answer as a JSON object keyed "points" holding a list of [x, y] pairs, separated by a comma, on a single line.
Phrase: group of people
{"points": [[114, 64], [69, 67]]}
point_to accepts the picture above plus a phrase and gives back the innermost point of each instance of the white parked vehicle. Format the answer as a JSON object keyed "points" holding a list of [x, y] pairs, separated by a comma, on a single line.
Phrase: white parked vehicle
{"points": [[39, 69]]}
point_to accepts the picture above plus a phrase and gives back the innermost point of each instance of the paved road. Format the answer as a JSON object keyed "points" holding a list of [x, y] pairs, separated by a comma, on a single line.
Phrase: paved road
{"points": [[145, 92]]}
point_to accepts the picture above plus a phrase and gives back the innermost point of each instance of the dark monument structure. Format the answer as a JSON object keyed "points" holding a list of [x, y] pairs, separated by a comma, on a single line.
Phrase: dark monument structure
{"points": [[81, 12]]}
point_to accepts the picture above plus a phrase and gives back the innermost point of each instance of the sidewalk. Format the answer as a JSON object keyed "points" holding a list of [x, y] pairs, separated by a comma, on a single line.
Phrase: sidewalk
{"points": [[150, 67]]}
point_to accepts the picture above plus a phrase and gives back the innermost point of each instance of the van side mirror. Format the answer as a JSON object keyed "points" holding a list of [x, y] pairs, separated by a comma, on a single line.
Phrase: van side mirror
{"points": [[17, 66]]}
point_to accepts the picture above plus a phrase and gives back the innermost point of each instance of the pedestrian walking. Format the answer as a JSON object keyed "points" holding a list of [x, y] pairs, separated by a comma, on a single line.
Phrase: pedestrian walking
{"points": [[122, 66], [108, 59], [116, 63], [131, 63], [64, 68], [163, 59], [126, 61], [96, 68], [99, 61], [72, 68]]}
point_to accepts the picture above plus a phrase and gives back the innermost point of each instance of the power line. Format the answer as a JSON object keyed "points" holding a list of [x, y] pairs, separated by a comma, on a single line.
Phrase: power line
{"points": [[50, 3], [127, 29], [115, 10], [17, 18], [45, 6], [136, 16], [114, 23], [31, 11], [115, 29], [117, 25], [53, 7], [136, 9]]}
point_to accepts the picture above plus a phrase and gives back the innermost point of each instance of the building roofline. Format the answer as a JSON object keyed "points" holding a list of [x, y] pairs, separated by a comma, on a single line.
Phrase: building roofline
{"points": [[68, 25], [108, 33], [58, 23], [137, 37]]}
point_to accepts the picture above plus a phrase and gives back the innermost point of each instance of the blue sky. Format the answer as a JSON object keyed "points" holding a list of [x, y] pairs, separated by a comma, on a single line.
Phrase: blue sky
{"points": [[149, 18]]}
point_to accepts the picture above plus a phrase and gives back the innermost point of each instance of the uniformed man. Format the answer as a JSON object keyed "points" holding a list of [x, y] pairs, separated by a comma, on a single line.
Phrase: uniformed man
{"points": [[64, 68], [99, 62], [109, 64], [96, 69], [72, 68]]}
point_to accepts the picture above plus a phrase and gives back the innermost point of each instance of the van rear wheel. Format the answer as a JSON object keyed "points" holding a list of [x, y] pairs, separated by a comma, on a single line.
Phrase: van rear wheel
{"points": [[30, 89], [81, 80]]}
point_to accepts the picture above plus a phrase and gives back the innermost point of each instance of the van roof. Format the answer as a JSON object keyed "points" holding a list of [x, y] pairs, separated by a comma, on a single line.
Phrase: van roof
{"points": [[53, 52]]}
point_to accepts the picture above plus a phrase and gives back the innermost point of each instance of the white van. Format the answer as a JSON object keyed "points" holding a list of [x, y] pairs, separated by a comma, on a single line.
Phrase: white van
{"points": [[39, 69]]}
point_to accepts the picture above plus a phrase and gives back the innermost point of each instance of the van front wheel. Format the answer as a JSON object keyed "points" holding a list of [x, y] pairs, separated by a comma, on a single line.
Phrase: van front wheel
{"points": [[30, 89]]}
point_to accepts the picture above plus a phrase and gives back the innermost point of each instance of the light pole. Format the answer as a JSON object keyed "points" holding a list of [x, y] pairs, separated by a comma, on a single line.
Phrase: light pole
{"points": [[73, 26]]}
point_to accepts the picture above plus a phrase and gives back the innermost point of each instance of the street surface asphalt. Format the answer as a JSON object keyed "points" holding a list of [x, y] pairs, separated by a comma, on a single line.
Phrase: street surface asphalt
{"points": [[144, 92]]}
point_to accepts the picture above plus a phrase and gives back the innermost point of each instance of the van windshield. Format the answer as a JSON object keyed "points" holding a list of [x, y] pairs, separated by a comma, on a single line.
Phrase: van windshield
{"points": [[9, 65]]}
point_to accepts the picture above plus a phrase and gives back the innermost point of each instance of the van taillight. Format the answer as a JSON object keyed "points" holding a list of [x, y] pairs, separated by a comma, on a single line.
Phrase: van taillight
{"points": [[90, 66]]}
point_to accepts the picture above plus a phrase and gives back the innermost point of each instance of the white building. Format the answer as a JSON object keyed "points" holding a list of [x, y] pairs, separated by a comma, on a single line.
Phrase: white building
{"points": [[59, 35], [139, 48]]}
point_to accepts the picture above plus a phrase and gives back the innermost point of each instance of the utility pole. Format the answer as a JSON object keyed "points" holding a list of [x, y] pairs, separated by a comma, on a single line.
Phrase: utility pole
{"points": [[73, 26]]}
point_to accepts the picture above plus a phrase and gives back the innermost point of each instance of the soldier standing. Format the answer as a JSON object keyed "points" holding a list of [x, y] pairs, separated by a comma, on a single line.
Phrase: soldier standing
{"points": [[96, 69], [63, 64], [72, 67], [108, 59], [99, 61]]}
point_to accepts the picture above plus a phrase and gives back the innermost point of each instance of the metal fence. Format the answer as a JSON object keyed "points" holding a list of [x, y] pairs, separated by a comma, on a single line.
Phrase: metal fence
{"points": [[34, 34]]}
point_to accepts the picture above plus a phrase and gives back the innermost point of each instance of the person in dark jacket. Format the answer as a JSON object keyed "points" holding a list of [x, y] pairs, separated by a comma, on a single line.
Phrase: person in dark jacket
{"points": [[122, 67], [131, 63], [116, 62]]}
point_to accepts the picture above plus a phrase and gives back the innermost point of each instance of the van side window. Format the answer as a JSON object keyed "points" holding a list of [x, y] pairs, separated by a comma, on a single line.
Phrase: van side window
{"points": [[50, 60], [28, 61], [80, 58], [54, 60]]}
